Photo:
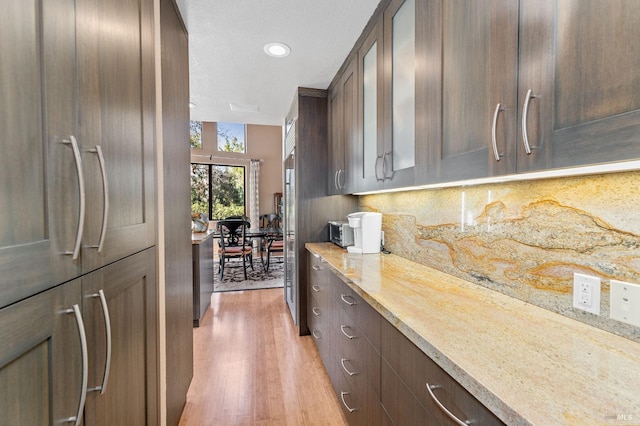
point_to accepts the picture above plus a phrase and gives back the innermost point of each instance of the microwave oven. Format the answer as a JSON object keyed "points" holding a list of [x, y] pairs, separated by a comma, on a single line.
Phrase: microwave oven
{"points": [[340, 233]]}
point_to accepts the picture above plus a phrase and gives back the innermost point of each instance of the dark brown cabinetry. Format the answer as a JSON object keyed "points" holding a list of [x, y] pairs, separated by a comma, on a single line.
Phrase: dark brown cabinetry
{"points": [[407, 372], [41, 362], [494, 87], [41, 372], [543, 98], [129, 288], [392, 96], [379, 376], [39, 187], [474, 100], [580, 62], [77, 210], [343, 134], [307, 206], [116, 95]]}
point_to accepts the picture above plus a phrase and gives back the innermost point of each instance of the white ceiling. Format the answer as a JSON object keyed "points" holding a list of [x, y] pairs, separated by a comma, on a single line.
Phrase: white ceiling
{"points": [[228, 65]]}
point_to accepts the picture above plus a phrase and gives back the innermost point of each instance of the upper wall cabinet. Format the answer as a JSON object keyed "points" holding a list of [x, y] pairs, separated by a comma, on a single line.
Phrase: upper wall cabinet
{"points": [[578, 82], [391, 69], [343, 134], [476, 90], [565, 93]]}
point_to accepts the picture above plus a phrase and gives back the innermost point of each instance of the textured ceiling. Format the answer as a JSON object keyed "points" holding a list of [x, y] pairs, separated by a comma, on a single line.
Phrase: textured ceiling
{"points": [[228, 65]]}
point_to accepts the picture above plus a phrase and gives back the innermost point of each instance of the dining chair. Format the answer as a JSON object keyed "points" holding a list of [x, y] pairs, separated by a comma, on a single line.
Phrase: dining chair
{"points": [[272, 241], [234, 244]]}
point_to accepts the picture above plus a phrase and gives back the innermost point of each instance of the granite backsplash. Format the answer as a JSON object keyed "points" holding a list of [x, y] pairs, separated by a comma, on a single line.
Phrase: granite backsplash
{"points": [[524, 239]]}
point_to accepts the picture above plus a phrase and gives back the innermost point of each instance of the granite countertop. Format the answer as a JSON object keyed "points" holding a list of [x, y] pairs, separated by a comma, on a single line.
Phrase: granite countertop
{"points": [[201, 237], [526, 364]]}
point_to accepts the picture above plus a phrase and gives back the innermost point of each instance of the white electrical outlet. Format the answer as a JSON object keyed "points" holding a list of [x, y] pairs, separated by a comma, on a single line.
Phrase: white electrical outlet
{"points": [[624, 302], [586, 293]]}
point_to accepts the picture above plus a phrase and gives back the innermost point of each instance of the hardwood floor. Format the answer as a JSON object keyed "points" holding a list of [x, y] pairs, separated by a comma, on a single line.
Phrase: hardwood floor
{"points": [[251, 368]]}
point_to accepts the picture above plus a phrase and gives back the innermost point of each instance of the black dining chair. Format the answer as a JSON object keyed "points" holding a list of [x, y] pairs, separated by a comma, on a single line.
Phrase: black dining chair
{"points": [[272, 242], [234, 244]]}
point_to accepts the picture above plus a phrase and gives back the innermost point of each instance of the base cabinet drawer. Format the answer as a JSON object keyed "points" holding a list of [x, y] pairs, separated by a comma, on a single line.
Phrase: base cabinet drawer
{"points": [[417, 370], [399, 402]]}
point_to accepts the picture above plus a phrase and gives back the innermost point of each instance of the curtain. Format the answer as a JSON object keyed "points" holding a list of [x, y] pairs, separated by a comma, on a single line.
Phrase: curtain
{"points": [[254, 193]]}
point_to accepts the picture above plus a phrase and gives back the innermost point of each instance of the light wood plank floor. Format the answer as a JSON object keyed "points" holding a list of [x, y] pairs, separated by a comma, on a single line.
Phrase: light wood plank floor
{"points": [[251, 368]]}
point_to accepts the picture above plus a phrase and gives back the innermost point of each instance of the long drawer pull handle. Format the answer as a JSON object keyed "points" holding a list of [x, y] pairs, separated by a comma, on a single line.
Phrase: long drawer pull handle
{"points": [[105, 196], [443, 408], [107, 327], [342, 327], [75, 310], [316, 268], [494, 124], [315, 311], [316, 336], [80, 230], [350, 373], [525, 113], [316, 288], [342, 394], [344, 296], [335, 179]]}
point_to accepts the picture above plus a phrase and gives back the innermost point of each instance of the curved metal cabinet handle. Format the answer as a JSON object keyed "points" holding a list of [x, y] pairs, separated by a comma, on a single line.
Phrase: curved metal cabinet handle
{"points": [[350, 373], [335, 179], [384, 166], [315, 311], [316, 336], [316, 268], [85, 365], [342, 394], [107, 328], [315, 288], [343, 297], [494, 143], [348, 336], [375, 168], [525, 113], [444, 409], [105, 191], [76, 155]]}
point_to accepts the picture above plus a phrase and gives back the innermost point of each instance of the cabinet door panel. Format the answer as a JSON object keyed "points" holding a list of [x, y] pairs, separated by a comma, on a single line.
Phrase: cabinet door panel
{"points": [[367, 163], [129, 287], [115, 61], [580, 60], [39, 197], [41, 362], [479, 71]]}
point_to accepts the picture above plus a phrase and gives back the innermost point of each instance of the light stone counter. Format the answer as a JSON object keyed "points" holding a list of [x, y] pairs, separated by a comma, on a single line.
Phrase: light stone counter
{"points": [[201, 237], [526, 364]]}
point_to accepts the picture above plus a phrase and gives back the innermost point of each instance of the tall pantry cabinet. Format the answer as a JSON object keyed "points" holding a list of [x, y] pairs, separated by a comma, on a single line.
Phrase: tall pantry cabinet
{"points": [[77, 226]]}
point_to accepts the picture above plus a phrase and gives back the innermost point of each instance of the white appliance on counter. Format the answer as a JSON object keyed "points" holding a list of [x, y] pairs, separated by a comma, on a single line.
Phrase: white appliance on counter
{"points": [[367, 232]]}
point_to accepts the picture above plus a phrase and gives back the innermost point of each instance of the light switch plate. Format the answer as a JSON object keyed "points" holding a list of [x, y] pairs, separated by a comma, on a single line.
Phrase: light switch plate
{"points": [[624, 301]]}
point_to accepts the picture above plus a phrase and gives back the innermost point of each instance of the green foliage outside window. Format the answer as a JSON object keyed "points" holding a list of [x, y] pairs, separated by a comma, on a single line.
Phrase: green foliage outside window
{"points": [[195, 134], [226, 189]]}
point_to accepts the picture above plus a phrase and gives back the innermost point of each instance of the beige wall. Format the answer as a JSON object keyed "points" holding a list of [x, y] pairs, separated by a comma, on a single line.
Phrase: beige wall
{"points": [[263, 142]]}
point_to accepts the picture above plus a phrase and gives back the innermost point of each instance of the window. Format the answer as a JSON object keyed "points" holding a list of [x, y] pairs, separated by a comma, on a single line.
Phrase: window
{"points": [[231, 137], [217, 190], [195, 136]]}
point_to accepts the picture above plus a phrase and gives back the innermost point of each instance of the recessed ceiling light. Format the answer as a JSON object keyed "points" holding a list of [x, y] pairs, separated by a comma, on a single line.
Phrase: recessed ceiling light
{"points": [[277, 50]]}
